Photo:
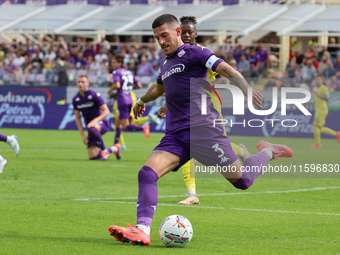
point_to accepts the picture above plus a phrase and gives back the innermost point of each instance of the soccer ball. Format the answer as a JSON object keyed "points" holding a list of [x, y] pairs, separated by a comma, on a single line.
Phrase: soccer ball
{"points": [[175, 231]]}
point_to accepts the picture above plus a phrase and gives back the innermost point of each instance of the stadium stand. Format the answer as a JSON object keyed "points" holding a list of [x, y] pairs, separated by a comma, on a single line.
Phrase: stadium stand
{"points": [[62, 56]]}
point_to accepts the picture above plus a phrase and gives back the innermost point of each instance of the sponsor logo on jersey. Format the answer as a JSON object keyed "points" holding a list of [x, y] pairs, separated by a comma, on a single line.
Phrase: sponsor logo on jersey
{"points": [[86, 105], [178, 68]]}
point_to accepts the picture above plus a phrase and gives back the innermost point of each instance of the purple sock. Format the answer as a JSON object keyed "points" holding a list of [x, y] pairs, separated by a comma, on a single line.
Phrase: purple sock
{"points": [[3, 138], [117, 136], [95, 133], [96, 157], [133, 127], [247, 179], [147, 195]]}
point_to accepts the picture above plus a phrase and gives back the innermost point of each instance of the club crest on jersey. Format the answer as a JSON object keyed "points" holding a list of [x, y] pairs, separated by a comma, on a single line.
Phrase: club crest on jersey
{"points": [[89, 97], [181, 53]]}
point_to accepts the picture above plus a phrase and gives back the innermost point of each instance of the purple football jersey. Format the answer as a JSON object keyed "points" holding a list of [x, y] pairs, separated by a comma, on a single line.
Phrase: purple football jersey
{"points": [[127, 80], [253, 60], [262, 55], [88, 104], [183, 75]]}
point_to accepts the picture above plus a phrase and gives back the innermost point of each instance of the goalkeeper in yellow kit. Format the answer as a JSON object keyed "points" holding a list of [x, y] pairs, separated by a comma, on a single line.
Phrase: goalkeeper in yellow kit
{"points": [[189, 33], [321, 94]]}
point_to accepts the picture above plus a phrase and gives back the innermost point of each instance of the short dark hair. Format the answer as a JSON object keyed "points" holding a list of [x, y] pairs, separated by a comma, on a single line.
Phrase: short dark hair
{"points": [[188, 20], [119, 59], [165, 18]]}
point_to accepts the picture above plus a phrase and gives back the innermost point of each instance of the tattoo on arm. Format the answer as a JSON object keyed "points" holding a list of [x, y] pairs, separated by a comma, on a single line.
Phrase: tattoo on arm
{"points": [[155, 91], [234, 76]]}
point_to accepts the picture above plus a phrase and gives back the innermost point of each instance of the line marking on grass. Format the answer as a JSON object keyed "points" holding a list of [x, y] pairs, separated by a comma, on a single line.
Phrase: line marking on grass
{"points": [[224, 194], [213, 207], [114, 200]]}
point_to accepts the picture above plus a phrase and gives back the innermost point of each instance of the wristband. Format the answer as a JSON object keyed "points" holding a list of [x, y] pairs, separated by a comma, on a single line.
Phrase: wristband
{"points": [[140, 102]]}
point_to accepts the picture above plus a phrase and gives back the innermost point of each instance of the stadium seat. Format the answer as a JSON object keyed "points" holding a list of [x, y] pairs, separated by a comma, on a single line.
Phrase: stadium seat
{"points": [[81, 72], [93, 79], [6, 78], [40, 78], [145, 80], [30, 77]]}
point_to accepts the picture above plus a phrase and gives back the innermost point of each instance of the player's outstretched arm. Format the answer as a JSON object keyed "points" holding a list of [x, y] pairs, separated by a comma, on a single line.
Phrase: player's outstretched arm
{"points": [[155, 91], [80, 127], [237, 79]]}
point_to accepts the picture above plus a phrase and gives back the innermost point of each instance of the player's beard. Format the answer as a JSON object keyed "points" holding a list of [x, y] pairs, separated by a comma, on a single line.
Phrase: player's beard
{"points": [[171, 49]]}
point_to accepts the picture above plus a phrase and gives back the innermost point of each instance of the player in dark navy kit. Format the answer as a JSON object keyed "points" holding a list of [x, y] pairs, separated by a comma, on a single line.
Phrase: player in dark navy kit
{"points": [[189, 133], [94, 110]]}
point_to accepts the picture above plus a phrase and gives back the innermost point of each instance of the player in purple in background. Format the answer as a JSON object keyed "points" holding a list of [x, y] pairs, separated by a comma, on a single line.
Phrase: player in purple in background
{"points": [[189, 134], [123, 82], [13, 142], [94, 111]]}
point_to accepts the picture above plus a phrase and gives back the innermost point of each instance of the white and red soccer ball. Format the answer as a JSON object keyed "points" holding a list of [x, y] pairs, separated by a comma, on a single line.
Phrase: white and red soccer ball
{"points": [[175, 231]]}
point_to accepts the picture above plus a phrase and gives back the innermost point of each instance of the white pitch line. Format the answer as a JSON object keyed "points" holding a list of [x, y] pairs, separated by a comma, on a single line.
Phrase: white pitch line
{"points": [[121, 166], [218, 208], [222, 194], [48, 150]]}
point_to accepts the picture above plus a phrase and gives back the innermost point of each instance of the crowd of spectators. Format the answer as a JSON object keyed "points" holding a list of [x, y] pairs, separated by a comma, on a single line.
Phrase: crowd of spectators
{"points": [[57, 62], [303, 68]]}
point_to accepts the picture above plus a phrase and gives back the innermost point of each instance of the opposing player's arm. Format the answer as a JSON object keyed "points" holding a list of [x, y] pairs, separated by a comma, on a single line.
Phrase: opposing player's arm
{"points": [[237, 79], [323, 97]]}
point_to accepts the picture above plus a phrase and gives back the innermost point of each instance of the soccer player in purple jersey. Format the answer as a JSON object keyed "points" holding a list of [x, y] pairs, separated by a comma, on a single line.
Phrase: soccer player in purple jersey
{"points": [[13, 142], [189, 134], [94, 111], [123, 82], [189, 34]]}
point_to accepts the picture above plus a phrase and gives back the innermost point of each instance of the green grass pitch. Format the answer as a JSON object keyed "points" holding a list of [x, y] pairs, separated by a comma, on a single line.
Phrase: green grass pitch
{"points": [[53, 200]]}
